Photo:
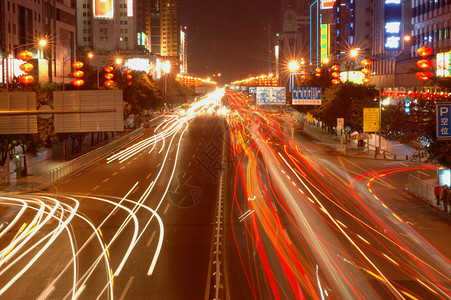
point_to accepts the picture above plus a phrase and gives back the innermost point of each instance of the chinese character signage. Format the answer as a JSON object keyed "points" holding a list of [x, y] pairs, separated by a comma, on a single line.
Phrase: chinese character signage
{"points": [[444, 64], [306, 96], [443, 121], [392, 28], [271, 95], [324, 41], [327, 4]]}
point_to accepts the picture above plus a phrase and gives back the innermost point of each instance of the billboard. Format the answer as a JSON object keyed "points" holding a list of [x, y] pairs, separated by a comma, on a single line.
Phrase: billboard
{"points": [[271, 95], [392, 25], [324, 41], [306, 96], [371, 119], [327, 4], [89, 111], [103, 9], [14, 118], [444, 64]]}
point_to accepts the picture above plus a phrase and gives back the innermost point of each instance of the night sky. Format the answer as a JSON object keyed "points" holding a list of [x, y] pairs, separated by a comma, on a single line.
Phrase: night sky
{"points": [[229, 37]]}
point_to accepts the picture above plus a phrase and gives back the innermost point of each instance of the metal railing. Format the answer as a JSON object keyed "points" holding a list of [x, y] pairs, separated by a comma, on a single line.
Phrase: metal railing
{"points": [[86, 160], [421, 188]]}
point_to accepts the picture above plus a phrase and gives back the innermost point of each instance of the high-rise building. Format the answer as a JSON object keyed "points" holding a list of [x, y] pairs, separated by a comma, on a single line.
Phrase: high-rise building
{"points": [[170, 28]]}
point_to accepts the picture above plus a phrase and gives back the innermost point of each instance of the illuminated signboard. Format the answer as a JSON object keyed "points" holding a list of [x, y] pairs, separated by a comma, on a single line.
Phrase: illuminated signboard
{"points": [[327, 4], [138, 64], [103, 9], [324, 44], [392, 26], [129, 8], [444, 64]]}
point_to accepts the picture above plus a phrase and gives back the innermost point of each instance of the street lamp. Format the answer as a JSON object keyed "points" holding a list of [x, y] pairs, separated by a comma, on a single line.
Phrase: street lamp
{"points": [[293, 67], [42, 43]]}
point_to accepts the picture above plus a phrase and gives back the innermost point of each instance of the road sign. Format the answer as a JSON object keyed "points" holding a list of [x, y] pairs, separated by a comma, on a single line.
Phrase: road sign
{"points": [[252, 90], [444, 121], [348, 129], [271, 95], [340, 123], [306, 96], [370, 119]]}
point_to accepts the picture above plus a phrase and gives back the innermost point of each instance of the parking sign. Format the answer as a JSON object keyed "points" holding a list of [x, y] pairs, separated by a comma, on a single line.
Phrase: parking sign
{"points": [[443, 121]]}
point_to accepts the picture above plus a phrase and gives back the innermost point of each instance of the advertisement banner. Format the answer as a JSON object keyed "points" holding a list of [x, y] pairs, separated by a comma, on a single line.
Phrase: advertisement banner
{"points": [[327, 4], [103, 9], [271, 95]]}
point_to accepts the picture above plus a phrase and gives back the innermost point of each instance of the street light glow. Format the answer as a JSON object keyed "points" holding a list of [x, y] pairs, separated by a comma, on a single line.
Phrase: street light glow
{"points": [[42, 42], [118, 61], [354, 52], [293, 66]]}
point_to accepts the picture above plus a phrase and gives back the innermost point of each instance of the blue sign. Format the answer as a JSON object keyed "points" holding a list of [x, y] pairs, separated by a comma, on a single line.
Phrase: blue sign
{"points": [[393, 18], [253, 90], [348, 129], [271, 95], [444, 121], [306, 95], [244, 88]]}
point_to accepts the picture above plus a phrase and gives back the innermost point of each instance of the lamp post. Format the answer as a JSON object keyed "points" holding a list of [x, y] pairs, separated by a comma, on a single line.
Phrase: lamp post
{"points": [[41, 43], [293, 67]]}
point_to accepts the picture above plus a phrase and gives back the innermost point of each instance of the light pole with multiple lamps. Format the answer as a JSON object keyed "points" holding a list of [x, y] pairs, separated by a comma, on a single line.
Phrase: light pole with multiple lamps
{"points": [[41, 43]]}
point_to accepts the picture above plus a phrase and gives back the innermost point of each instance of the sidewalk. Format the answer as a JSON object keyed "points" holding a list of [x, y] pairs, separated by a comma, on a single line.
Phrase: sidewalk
{"points": [[397, 151], [46, 160]]}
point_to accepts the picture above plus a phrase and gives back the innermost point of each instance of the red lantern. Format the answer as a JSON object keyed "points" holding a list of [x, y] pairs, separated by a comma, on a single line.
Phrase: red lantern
{"points": [[108, 69], [366, 80], [78, 74], [335, 74], [318, 70], [366, 71], [26, 67], [109, 82], [129, 77], [77, 65], [129, 82], [128, 72], [25, 55], [318, 74], [424, 51], [424, 75], [26, 79], [424, 63], [109, 76], [303, 77], [336, 81], [78, 82], [366, 62], [335, 68]]}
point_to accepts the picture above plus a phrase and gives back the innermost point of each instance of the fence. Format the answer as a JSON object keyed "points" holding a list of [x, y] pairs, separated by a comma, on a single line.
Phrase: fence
{"points": [[92, 157], [421, 188]]}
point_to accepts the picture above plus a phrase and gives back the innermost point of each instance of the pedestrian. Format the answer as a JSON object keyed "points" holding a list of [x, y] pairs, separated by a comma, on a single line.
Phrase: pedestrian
{"points": [[446, 197], [438, 192]]}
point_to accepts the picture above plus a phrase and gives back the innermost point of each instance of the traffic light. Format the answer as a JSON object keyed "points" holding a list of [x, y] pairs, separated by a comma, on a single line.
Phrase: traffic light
{"points": [[424, 63]]}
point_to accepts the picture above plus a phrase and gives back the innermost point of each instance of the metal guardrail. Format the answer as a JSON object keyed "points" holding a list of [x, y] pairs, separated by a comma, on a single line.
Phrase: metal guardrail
{"points": [[421, 188], [86, 160]]}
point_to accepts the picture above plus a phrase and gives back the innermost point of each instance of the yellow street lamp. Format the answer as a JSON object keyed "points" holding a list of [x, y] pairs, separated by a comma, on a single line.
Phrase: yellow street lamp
{"points": [[293, 66]]}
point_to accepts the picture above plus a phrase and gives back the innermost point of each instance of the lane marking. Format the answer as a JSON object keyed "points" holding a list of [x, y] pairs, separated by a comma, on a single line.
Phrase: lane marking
{"points": [[106, 180], [184, 174], [147, 177], [158, 165], [115, 173], [166, 210], [189, 165], [151, 238], [129, 283], [95, 188], [45, 293]]}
